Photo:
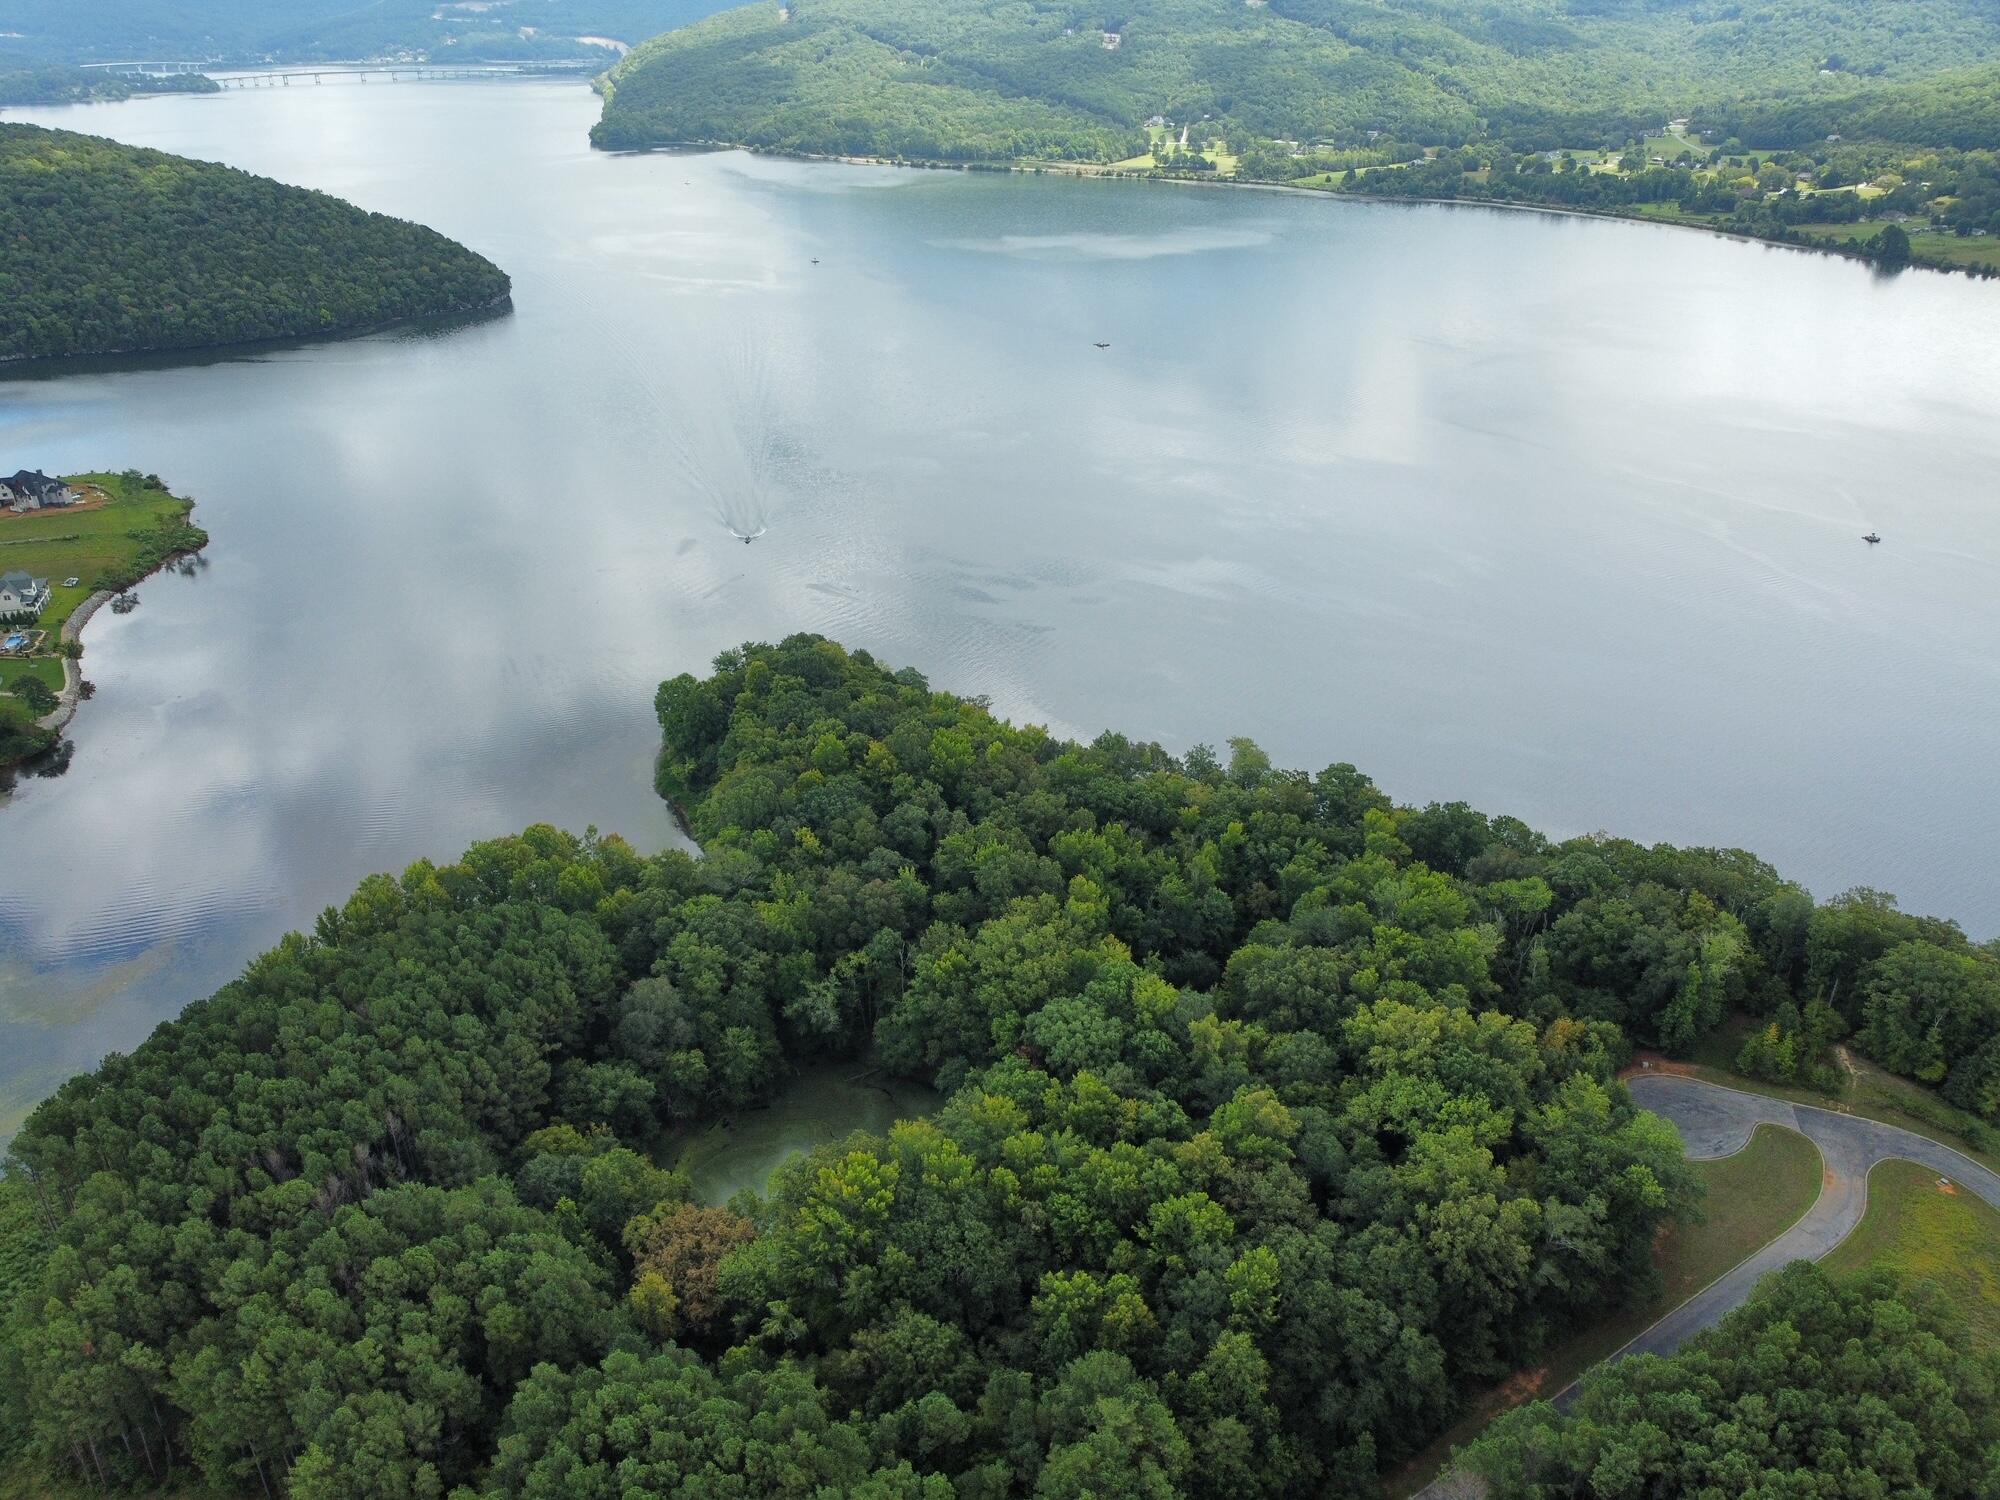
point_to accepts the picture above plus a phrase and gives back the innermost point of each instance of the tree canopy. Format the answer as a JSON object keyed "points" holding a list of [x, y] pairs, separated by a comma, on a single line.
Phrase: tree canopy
{"points": [[1280, 1118], [1815, 1386], [111, 248], [58, 85]]}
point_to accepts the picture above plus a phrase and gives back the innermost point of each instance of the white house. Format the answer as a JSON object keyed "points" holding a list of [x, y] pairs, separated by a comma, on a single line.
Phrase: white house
{"points": [[29, 490], [21, 594]]}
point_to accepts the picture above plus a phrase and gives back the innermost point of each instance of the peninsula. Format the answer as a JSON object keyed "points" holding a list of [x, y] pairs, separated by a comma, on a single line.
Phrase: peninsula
{"points": [[1280, 1123], [110, 249], [68, 546]]}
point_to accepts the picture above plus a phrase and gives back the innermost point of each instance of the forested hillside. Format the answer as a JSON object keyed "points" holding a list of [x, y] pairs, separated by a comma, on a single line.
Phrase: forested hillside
{"points": [[106, 247], [976, 79], [58, 85], [1957, 108], [1280, 1117]]}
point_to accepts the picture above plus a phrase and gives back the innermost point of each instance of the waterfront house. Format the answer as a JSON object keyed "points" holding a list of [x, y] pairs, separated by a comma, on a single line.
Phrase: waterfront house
{"points": [[22, 595], [29, 490]]}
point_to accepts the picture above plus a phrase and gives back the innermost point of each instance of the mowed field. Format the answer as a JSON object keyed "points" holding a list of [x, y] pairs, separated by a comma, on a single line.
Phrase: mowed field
{"points": [[1958, 250], [118, 536], [1922, 1228]]}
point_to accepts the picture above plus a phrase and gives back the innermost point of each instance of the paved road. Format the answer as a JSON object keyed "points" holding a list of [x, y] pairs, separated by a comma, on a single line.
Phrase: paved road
{"points": [[1715, 1122]]}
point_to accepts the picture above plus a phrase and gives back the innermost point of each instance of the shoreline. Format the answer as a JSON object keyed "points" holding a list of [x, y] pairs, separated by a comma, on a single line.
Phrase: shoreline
{"points": [[70, 698], [72, 629], [1068, 169], [12, 363]]}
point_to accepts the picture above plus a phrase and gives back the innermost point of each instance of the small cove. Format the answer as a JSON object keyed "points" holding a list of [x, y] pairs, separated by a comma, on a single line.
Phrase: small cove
{"points": [[821, 1104]]}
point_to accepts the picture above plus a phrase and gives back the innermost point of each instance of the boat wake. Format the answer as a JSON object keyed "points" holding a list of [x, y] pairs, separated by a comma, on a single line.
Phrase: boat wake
{"points": [[718, 422]]}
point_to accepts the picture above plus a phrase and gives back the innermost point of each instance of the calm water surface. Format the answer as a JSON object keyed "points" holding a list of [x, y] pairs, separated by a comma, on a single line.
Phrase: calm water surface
{"points": [[822, 1104], [1561, 517]]}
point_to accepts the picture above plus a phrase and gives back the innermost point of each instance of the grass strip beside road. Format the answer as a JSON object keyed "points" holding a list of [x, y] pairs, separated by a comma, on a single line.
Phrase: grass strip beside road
{"points": [[1940, 1234]]}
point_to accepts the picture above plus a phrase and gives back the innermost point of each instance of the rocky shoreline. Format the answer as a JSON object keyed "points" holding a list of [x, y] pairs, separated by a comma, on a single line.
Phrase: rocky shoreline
{"points": [[58, 718]]}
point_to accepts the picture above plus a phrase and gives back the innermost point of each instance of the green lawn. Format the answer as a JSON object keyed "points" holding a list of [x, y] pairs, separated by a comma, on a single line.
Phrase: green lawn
{"points": [[1942, 1235], [106, 546], [1670, 213], [1225, 162], [1924, 243], [1752, 1198], [48, 668], [1154, 135]]}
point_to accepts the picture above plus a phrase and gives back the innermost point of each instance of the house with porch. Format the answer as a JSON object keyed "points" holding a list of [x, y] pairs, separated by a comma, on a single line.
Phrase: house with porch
{"points": [[22, 595]]}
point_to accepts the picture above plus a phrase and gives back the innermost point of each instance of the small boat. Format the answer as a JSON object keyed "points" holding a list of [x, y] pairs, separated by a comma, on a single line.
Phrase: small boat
{"points": [[1871, 539], [1103, 346]]}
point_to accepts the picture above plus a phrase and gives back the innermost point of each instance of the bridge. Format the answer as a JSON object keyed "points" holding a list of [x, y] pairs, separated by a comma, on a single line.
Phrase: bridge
{"points": [[283, 75]]}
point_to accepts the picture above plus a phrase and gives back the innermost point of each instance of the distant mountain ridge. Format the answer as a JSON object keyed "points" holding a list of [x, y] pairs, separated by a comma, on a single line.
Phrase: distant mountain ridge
{"points": [[1006, 79]]}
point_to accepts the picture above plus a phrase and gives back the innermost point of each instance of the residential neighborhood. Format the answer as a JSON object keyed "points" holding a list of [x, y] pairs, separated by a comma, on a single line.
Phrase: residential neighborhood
{"points": [[29, 490]]}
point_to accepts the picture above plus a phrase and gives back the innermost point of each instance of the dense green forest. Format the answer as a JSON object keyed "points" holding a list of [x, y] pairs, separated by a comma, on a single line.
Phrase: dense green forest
{"points": [[986, 80], [1280, 1117], [59, 85], [1956, 108], [313, 30], [1814, 1387], [107, 247]]}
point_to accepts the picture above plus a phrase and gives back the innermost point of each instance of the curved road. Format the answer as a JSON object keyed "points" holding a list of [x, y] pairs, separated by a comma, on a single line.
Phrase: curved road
{"points": [[1715, 1121]]}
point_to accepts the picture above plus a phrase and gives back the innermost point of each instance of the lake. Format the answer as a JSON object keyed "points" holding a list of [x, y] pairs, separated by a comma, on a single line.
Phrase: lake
{"points": [[1558, 516]]}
